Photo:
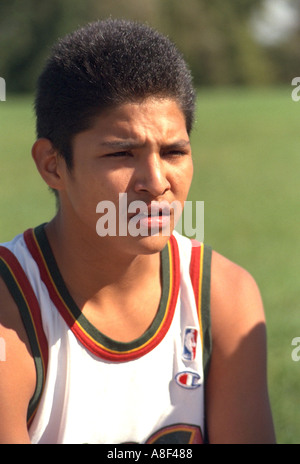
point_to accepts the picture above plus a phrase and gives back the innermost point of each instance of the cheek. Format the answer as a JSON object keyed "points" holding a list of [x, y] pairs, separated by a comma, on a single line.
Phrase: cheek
{"points": [[83, 195], [93, 185], [183, 179], [189, 175]]}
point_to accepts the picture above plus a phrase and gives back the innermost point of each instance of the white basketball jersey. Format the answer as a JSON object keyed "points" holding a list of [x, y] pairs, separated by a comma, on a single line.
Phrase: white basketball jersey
{"points": [[92, 389]]}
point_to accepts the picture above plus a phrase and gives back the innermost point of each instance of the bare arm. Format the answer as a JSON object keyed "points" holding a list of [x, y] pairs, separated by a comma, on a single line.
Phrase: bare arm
{"points": [[17, 373], [238, 408]]}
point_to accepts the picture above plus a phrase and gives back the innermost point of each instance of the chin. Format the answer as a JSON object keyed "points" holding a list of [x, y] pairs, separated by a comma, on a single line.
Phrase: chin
{"points": [[150, 244]]}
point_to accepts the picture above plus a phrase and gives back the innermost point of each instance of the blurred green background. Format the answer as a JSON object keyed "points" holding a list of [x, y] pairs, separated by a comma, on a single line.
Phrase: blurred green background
{"points": [[243, 55]]}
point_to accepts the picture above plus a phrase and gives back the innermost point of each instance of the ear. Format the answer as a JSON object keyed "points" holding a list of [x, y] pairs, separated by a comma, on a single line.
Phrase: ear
{"points": [[49, 163]]}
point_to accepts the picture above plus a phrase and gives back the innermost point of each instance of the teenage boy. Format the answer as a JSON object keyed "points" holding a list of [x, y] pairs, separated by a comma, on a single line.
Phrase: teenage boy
{"points": [[124, 338]]}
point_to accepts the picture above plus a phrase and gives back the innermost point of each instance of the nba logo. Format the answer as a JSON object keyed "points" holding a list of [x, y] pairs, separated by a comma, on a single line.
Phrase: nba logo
{"points": [[189, 343]]}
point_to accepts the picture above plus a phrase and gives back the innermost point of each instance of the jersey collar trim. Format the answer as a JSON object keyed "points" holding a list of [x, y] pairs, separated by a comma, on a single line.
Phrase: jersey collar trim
{"points": [[96, 342]]}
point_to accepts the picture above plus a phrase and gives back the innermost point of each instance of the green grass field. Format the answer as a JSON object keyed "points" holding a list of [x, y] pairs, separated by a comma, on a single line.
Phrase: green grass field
{"points": [[247, 164]]}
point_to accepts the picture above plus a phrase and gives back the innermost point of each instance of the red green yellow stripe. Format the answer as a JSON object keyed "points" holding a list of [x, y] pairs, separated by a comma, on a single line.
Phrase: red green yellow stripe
{"points": [[172, 434], [74, 321], [24, 296], [196, 273]]}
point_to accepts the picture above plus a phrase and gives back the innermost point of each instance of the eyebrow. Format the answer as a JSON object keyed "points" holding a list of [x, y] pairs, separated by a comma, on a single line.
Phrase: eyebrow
{"points": [[132, 143]]}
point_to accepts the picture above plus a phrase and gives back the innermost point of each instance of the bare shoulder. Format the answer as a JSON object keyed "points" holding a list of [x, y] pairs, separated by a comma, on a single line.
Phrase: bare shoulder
{"points": [[238, 407], [235, 299], [17, 372]]}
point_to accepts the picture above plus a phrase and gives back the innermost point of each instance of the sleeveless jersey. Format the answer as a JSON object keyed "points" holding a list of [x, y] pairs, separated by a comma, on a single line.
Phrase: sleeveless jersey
{"points": [[92, 389]]}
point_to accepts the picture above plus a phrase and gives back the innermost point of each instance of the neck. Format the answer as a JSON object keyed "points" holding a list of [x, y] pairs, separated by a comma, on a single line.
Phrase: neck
{"points": [[92, 267]]}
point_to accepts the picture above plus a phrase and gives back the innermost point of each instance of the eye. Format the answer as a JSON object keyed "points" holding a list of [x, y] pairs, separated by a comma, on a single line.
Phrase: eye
{"points": [[175, 152], [118, 154]]}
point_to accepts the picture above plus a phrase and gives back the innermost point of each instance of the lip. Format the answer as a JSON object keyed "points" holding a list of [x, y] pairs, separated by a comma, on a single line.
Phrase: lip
{"points": [[154, 217], [153, 224], [156, 209]]}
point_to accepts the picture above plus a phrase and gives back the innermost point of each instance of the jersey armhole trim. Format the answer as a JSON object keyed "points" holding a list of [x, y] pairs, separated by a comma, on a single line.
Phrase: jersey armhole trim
{"points": [[200, 271], [21, 291]]}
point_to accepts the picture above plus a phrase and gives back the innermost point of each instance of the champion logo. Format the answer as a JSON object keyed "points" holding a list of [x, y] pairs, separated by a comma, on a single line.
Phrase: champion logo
{"points": [[188, 379], [190, 343]]}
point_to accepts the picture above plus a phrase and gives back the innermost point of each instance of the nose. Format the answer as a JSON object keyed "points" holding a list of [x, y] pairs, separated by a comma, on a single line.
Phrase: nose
{"points": [[151, 175]]}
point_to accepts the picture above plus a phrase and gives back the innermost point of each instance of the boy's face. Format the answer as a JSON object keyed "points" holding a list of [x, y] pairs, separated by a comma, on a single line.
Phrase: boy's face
{"points": [[141, 149]]}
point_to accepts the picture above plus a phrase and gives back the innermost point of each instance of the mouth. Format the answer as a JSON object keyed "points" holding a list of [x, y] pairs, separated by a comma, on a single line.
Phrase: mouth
{"points": [[154, 217], [154, 209]]}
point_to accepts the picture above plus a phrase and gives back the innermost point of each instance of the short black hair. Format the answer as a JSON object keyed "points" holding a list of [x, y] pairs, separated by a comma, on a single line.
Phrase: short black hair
{"points": [[104, 64]]}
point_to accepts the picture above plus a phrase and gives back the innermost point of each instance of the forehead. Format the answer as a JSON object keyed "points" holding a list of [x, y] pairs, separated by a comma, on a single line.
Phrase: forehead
{"points": [[151, 118]]}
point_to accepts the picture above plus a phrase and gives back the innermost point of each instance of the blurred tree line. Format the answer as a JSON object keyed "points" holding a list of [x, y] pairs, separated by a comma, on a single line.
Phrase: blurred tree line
{"points": [[214, 36]]}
